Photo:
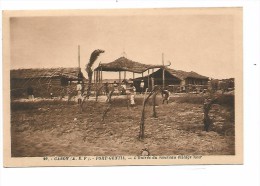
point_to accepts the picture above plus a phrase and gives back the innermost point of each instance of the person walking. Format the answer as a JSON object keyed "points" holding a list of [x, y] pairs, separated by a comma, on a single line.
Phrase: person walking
{"points": [[165, 95]]}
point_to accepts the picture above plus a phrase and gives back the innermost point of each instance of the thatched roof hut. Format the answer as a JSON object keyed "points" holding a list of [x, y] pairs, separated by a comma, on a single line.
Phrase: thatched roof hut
{"points": [[124, 64], [43, 80], [182, 75], [69, 73], [179, 78]]}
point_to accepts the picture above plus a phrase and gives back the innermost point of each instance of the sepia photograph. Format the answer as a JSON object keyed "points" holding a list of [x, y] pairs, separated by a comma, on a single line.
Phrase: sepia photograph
{"points": [[123, 87]]}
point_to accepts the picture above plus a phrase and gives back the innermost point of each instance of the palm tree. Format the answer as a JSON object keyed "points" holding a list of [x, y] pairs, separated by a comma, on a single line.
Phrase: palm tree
{"points": [[93, 57]]}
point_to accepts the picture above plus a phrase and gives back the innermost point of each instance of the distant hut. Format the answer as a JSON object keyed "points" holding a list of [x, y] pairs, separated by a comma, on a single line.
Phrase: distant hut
{"points": [[223, 84], [43, 80], [177, 80]]}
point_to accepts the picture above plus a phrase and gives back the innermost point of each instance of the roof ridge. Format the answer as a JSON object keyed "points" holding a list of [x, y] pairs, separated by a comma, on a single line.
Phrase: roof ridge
{"points": [[71, 72], [44, 68], [184, 74]]}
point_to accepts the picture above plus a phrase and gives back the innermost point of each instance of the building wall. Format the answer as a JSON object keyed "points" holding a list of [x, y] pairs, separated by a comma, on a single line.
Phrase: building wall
{"points": [[195, 81], [42, 87]]}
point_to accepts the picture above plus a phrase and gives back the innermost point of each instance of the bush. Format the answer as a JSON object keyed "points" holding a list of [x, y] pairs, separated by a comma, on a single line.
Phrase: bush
{"points": [[225, 99], [188, 98], [29, 105]]}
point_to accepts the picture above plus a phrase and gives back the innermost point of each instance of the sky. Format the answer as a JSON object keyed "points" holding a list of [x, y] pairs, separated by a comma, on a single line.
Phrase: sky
{"points": [[198, 42]]}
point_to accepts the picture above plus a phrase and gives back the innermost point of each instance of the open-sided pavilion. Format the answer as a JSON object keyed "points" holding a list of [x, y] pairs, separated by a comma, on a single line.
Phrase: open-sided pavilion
{"points": [[124, 65]]}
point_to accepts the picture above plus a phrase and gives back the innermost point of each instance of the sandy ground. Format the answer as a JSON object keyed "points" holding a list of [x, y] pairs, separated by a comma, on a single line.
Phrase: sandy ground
{"points": [[55, 128]]}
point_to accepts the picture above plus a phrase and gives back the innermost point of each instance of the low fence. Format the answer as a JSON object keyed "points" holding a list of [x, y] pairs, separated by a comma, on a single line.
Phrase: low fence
{"points": [[42, 90], [45, 91], [188, 88]]}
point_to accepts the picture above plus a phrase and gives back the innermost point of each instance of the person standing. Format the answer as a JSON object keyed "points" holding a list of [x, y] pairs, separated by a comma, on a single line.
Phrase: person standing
{"points": [[106, 88], [79, 88], [51, 91], [132, 94], [165, 95], [123, 88], [30, 93], [142, 86]]}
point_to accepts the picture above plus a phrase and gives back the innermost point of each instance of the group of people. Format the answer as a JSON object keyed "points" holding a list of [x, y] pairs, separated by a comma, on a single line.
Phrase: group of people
{"points": [[108, 91], [132, 91], [124, 89]]}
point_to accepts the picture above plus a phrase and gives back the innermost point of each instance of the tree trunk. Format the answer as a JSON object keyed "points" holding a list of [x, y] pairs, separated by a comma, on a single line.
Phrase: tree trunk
{"points": [[141, 133]]}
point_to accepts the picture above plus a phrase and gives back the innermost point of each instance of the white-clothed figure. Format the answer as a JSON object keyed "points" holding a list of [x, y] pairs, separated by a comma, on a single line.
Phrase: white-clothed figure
{"points": [[79, 95], [132, 95]]}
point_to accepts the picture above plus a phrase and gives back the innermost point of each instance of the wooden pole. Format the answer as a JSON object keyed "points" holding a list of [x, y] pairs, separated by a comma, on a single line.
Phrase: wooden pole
{"points": [[163, 71], [148, 79], [163, 78], [163, 59], [119, 77], [97, 76], [154, 104], [101, 75], [124, 75], [79, 55], [133, 75], [94, 74]]}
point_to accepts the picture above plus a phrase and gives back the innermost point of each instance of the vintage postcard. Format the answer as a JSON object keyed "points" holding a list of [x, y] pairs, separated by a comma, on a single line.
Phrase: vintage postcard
{"points": [[123, 87]]}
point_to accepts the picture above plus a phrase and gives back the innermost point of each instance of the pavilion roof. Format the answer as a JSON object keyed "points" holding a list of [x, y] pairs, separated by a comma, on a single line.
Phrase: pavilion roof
{"points": [[124, 64]]}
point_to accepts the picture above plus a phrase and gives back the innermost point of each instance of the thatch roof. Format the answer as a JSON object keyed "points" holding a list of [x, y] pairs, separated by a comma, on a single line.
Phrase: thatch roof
{"points": [[124, 64], [184, 75], [70, 73]]}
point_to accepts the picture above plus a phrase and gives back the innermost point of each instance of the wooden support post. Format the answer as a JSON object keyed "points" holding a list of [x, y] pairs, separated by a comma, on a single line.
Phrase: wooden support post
{"points": [[163, 78], [163, 71], [95, 78], [98, 76], [119, 77], [101, 76], [94, 72], [79, 56], [152, 83], [124, 75], [148, 79], [133, 75]]}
